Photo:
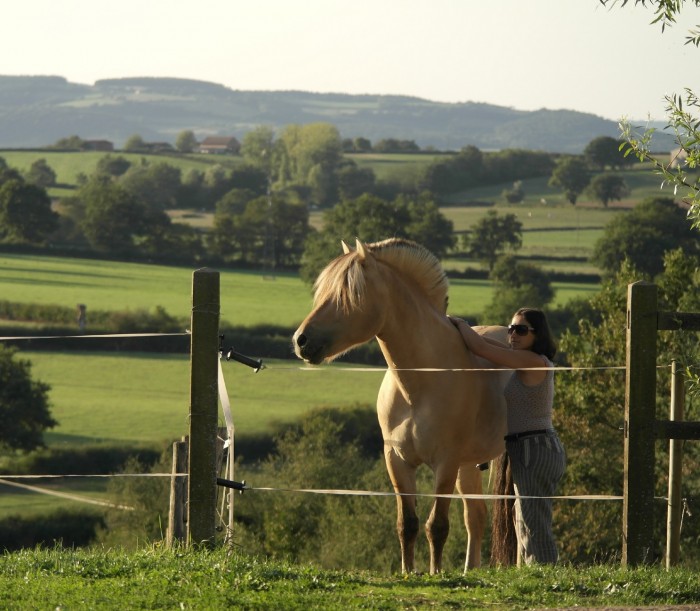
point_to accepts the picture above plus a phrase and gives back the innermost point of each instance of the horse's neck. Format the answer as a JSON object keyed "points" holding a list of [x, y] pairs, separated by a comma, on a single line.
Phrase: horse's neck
{"points": [[415, 335]]}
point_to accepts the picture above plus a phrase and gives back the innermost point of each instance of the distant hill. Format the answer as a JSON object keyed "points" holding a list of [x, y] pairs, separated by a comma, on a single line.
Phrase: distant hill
{"points": [[36, 111]]}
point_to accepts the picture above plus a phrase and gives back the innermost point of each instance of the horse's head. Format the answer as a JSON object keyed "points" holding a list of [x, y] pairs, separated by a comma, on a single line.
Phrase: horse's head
{"points": [[347, 308]]}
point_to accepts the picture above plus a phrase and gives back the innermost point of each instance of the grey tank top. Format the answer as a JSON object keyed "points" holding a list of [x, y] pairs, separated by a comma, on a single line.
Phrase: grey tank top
{"points": [[529, 408]]}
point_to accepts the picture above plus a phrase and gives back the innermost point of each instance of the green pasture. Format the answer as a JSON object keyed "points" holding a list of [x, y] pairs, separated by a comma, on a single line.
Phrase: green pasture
{"points": [[390, 165], [247, 298], [69, 165], [548, 231], [643, 181], [143, 398], [574, 243], [15, 501], [536, 216]]}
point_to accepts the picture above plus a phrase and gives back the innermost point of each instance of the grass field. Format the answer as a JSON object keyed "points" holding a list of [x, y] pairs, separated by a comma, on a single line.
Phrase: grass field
{"points": [[140, 398], [642, 180], [247, 298], [157, 578], [69, 165]]}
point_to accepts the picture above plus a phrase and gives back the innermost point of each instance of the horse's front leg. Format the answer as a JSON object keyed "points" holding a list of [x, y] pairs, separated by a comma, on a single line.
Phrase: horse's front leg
{"points": [[438, 525], [403, 479], [475, 513]]}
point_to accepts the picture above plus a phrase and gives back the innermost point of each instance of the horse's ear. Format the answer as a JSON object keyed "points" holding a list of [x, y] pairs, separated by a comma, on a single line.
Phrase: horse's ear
{"points": [[359, 246], [346, 248]]}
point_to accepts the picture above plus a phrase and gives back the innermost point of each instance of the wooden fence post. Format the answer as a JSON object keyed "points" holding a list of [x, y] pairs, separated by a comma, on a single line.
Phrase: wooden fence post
{"points": [[639, 432], [204, 355], [177, 516], [675, 463]]}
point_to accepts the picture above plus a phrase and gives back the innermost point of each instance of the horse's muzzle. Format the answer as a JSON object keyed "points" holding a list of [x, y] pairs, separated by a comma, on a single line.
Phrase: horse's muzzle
{"points": [[307, 350]]}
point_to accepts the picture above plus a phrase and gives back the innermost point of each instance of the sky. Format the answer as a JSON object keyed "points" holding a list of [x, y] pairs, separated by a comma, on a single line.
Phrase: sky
{"points": [[523, 54]]}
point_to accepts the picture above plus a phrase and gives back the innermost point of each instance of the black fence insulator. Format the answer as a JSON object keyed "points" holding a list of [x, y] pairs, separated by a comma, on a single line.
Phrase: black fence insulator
{"points": [[229, 483], [232, 355]]}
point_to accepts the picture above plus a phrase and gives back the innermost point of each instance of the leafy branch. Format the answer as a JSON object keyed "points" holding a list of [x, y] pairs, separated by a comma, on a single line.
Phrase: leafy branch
{"points": [[686, 127]]}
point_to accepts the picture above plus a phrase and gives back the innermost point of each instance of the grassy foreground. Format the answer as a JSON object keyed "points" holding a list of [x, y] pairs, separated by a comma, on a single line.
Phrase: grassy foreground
{"points": [[198, 579]]}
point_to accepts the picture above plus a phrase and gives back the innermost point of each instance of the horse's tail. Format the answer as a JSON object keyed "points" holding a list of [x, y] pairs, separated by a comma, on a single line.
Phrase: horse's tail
{"points": [[504, 541]]}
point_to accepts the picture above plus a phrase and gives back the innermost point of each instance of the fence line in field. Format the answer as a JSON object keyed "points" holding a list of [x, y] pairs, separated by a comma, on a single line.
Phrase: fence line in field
{"points": [[641, 429]]}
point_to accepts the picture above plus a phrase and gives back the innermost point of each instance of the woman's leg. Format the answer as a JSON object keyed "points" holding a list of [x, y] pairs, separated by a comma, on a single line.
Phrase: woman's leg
{"points": [[538, 464]]}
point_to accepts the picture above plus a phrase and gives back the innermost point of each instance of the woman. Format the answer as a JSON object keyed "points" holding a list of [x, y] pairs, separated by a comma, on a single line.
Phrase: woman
{"points": [[537, 458]]}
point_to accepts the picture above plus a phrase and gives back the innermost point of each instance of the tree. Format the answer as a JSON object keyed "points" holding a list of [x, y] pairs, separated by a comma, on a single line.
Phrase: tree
{"points": [[371, 218], [135, 144], [685, 123], [683, 119], [24, 404], [665, 11], [516, 164], [392, 145], [71, 143], [367, 217], [249, 177], [455, 173], [590, 418], [25, 212], [361, 145], [604, 152], [572, 176], [427, 225], [260, 230], [186, 141], [642, 236], [492, 235], [311, 155], [516, 194], [156, 185], [113, 166], [607, 187], [354, 181], [260, 150], [516, 284], [113, 217], [41, 174], [8, 173]]}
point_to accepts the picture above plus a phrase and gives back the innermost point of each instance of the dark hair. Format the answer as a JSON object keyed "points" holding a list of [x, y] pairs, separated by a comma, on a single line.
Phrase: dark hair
{"points": [[544, 342]]}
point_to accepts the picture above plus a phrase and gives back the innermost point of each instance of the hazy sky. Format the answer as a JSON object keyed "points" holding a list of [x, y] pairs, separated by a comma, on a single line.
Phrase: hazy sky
{"points": [[526, 54]]}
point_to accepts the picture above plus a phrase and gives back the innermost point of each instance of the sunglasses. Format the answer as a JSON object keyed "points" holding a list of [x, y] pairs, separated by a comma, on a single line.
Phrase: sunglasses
{"points": [[519, 329]]}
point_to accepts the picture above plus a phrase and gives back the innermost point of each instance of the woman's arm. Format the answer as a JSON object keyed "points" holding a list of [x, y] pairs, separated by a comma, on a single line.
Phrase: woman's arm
{"points": [[495, 351]]}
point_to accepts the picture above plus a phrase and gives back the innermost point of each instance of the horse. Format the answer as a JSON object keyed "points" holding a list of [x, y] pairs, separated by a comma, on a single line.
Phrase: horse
{"points": [[431, 408]]}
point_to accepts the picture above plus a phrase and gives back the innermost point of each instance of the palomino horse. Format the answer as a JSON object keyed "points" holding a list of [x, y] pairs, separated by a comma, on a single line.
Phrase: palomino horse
{"points": [[431, 408]]}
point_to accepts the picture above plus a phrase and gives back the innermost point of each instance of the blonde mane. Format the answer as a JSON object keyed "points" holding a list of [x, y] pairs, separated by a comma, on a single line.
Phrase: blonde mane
{"points": [[343, 278]]}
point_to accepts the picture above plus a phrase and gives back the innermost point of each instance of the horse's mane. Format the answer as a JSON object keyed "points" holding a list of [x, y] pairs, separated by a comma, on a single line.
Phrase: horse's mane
{"points": [[343, 278]]}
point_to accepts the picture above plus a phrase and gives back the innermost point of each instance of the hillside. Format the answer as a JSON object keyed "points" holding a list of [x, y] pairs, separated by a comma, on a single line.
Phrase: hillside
{"points": [[36, 111]]}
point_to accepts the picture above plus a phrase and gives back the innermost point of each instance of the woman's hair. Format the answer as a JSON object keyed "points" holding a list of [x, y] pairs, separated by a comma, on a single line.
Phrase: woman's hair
{"points": [[544, 342]]}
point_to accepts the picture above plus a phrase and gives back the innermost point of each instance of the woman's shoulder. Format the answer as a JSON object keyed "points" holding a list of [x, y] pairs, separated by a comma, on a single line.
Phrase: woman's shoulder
{"points": [[546, 359]]}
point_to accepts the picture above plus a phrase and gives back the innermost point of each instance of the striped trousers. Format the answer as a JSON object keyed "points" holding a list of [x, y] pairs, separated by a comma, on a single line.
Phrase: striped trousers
{"points": [[537, 464]]}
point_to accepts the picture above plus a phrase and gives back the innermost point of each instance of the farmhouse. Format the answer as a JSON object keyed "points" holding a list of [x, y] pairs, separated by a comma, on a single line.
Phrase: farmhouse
{"points": [[220, 145]]}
